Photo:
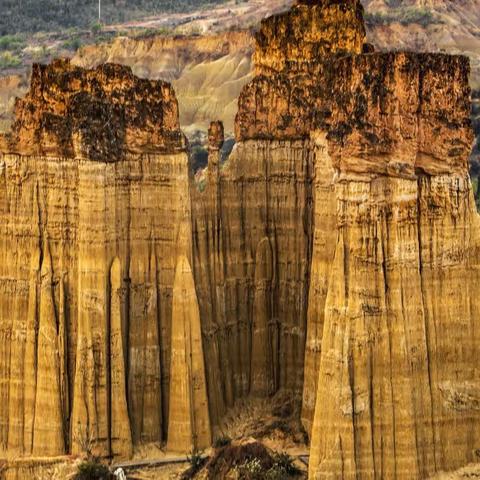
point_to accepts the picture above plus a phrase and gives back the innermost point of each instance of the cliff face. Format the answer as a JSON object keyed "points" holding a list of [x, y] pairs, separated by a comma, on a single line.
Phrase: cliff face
{"points": [[370, 151], [334, 257], [95, 217]]}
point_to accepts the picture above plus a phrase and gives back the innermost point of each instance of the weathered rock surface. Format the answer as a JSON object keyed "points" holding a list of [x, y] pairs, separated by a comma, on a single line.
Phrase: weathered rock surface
{"points": [[88, 261], [94, 114], [309, 31], [335, 256], [207, 72], [387, 137], [189, 420]]}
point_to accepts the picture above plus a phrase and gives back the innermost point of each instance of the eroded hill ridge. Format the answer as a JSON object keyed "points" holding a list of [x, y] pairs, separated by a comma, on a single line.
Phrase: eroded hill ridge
{"points": [[335, 256]]}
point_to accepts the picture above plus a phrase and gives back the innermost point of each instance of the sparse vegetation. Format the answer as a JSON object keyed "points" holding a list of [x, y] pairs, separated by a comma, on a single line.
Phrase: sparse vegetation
{"points": [[56, 15], [283, 468], [72, 44], [403, 15], [197, 461], [221, 442], [251, 470], [282, 462], [9, 60], [12, 42], [150, 32], [251, 461], [92, 470], [96, 28]]}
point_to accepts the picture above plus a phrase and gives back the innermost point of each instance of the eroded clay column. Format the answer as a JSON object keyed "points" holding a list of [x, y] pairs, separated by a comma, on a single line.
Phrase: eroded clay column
{"points": [[189, 419]]}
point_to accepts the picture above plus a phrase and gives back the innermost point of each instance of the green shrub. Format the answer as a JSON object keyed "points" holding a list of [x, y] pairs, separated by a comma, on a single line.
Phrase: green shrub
{"points": [[151, 32], [96, 28], [196, 460], [9, 60], [403, 15], [422, 16], [283, 468], [12, 42], [72, 44], [285, 463], [377, 18], [92, 470], [40, 54]]}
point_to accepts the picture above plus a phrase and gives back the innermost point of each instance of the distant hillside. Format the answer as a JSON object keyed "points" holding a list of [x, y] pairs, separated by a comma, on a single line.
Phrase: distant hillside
{"points": [[451, 26], [30, 16]]}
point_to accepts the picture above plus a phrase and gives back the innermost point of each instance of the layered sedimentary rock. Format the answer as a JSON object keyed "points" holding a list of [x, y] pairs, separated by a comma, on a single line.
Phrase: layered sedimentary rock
{"points": [[394, 231], [95, 188], [207, 72], [189, 420], [311, 30], [334, 256], [251, 235]]}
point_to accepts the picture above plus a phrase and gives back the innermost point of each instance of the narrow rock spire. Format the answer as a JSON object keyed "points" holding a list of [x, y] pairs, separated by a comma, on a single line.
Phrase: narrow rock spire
{"points": [[262, 379], [48, 434], [189, 419], [120, 433], [216, 138]]}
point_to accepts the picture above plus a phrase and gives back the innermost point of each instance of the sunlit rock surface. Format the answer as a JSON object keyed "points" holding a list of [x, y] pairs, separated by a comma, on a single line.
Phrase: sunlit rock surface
{"points": [[334, 256]]}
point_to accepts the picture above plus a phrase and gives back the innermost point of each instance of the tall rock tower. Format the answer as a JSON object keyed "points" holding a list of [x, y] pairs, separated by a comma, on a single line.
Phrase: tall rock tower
{"points": [[391, 386]]}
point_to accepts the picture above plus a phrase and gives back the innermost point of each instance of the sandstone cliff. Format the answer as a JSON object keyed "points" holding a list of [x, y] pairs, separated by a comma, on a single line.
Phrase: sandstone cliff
{"points": [[334, 257], [356, 206], [394, 225], [95, 218]]}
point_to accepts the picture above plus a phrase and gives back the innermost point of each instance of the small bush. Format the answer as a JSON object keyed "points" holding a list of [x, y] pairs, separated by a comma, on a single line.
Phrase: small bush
{"points": [[284, 463], [40, 54], [377, 18], [405, 16], [202, 185], [11, 42], [92, 470], [238, 457], [72, 44], [151, 32], [222, 442], [96, 28], [283, 468], [251, 470], [422, 16], [9, 60], [197, 461]]}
